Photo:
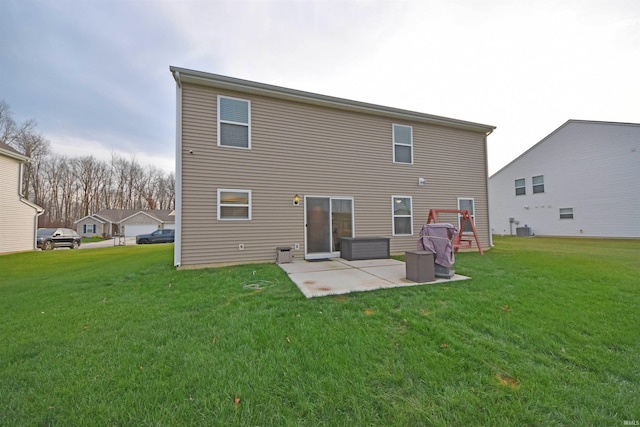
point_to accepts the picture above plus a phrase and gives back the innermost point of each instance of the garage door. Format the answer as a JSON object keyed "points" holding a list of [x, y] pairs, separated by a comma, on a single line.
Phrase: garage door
{"points": [[132, 230]]}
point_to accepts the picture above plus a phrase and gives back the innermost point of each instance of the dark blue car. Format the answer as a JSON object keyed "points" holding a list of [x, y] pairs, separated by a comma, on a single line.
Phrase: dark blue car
{"points": [[158, 236]]}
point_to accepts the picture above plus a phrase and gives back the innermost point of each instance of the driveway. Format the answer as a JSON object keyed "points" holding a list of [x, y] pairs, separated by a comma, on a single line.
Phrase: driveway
{"points": [[127, 241]]}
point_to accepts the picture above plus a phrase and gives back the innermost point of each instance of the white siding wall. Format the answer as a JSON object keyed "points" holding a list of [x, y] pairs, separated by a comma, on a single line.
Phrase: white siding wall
{"points": [[592, 167], [17, 229]]}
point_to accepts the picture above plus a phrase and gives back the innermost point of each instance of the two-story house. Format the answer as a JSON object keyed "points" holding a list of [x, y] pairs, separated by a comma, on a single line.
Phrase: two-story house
{"points": [[18, 216], [582, 180], [260, 166]]}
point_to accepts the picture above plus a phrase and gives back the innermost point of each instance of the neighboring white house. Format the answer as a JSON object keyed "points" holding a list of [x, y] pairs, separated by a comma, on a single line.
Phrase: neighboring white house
{"points": [[18, 217], [581, 180]]}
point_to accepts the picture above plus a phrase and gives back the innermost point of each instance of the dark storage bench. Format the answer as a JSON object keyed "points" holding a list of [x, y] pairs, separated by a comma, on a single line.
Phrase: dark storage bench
{"points": [[355, 248]]}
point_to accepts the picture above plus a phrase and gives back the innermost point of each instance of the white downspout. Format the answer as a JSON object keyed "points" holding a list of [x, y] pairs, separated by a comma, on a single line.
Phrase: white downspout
{"points": [[35, 228], [488, 190], [177, 249]]}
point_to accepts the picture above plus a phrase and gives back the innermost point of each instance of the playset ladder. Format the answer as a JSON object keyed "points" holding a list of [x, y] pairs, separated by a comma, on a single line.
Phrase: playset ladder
{"points": [[458, 241]]}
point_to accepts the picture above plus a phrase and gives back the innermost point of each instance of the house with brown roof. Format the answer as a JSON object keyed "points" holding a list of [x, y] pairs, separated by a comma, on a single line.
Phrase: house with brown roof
{"points": [[18, 216], [125, 222], [260, 167]]}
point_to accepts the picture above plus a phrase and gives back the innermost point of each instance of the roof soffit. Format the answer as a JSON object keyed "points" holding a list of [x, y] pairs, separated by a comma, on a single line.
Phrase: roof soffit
{"points": [[255, 88]]}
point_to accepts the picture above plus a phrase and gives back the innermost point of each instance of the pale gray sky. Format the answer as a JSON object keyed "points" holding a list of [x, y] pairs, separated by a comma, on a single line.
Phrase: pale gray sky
{"points": [[95, 73]]}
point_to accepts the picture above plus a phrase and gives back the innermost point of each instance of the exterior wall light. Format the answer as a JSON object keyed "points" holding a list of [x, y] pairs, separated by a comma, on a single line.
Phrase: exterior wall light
{"points": [[296, 200]]}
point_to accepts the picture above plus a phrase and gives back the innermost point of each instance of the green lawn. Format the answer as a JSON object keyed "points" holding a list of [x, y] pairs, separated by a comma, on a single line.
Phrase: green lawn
{"points": [[546, 333]]}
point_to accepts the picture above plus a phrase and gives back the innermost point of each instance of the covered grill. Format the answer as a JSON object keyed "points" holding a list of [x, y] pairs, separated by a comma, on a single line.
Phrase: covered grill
{"points": [[438, 238]]}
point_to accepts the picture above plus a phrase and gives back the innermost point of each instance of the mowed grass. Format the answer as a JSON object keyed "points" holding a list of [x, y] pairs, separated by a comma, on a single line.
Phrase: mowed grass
{"points": [[546, 333]]}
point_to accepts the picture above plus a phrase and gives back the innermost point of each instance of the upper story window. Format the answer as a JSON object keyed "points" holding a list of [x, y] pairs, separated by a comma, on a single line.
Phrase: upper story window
{"points": [[521, 187], [538, 184], [402, 144], [234, 122], [234, 204], [402, 216]]}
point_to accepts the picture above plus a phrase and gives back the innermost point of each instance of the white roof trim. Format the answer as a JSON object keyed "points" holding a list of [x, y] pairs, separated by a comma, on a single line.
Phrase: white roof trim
{"points": [[223, 82], [15, 155], [39, 209], [96, 217], [144, 213]]}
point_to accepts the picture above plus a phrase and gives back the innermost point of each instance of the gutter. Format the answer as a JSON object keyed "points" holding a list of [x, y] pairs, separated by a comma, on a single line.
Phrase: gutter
{"points": [[182, 75]]}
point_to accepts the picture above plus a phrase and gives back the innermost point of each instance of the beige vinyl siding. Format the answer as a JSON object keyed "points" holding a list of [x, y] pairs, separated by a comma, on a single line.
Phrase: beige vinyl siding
{"points": [[88, 221], [305, 149], [17, 219]]}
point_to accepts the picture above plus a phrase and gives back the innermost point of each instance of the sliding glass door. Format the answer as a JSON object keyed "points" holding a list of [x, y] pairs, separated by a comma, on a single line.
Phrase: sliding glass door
{"points": [[327, 219]]}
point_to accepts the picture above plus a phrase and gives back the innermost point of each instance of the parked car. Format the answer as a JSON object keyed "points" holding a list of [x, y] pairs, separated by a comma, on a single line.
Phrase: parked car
{"points": [[158, 236], [49, 238]]}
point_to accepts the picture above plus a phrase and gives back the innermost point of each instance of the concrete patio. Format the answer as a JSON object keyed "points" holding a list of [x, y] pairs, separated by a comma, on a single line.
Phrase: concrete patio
{"points": [[339, 276]]}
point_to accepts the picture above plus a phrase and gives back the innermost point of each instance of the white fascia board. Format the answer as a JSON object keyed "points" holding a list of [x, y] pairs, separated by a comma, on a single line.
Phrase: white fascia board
{"points": [[15, 155], [247, 86]]}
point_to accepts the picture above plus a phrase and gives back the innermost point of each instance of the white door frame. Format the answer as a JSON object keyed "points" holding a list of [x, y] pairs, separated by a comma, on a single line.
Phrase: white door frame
{"points": [[330, 254]]}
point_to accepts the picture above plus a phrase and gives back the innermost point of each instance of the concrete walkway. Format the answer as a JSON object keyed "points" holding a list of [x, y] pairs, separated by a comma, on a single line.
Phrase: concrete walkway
{"points": [[339, 276]]}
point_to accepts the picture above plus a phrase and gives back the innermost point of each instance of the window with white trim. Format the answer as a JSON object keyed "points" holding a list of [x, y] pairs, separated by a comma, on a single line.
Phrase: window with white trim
{"points": [[538, 184], [234, 122], [521, 188], [234, 204], [402, 215], [566, 213], [469, 205], [402, 144], [89, 228]]}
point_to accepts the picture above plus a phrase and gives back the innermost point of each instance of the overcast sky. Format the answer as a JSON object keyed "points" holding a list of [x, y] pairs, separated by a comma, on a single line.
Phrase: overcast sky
{"points": [[95, 74]]}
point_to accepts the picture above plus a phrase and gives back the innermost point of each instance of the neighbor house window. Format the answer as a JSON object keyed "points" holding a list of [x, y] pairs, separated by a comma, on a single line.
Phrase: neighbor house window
{"points": [[234, 122], [566, 213], [468, 205], [538, 184], [520, 187], [402, 144], [402, 216], [234, 204], [89, 228]]}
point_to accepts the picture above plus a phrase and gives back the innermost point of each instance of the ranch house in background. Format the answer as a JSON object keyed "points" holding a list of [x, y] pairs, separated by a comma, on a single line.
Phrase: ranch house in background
{"points": [[18, 216], [125, 222], [581, 180], [260, 166]]}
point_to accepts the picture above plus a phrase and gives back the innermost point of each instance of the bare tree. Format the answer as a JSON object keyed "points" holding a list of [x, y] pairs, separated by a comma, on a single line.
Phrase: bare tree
{"points": [[87, 170], [71, 188], [8, 128]]}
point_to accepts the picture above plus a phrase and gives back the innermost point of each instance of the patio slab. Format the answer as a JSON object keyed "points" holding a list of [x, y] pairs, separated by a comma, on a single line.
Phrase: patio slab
{"points": [[338, 276]]}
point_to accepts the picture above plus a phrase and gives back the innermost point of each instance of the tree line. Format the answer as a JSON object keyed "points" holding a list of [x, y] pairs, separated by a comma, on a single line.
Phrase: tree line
{"points": [[70, 188]]}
